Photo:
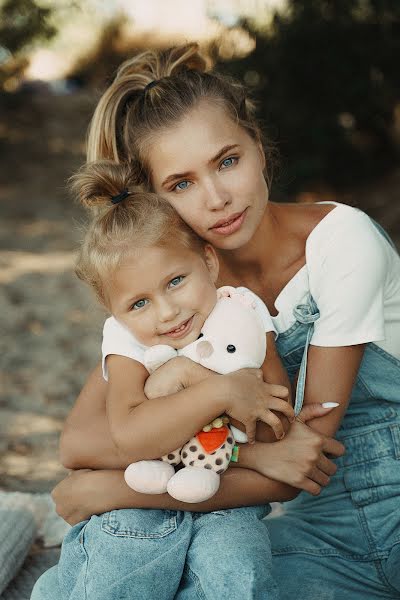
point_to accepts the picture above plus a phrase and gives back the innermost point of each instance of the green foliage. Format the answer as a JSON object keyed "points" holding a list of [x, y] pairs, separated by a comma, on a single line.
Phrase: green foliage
{"points": [[327, 79], [22, 22]]}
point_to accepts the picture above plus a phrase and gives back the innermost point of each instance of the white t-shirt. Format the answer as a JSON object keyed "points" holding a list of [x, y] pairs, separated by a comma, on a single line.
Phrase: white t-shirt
{"points": [[117, 339], [353, 274]]}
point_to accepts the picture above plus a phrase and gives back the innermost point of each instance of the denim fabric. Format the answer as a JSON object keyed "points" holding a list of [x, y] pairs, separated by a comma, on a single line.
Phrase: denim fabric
{"points": [[144, 554], [345, 543]]}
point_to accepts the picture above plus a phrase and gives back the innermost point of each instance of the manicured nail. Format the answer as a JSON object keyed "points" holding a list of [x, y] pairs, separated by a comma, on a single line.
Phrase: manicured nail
{"points": [[330, 404]]}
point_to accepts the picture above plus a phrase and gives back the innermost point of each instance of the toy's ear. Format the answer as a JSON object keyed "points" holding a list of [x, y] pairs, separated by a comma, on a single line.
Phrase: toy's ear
{"points": [[212, 262], [227, 291]]}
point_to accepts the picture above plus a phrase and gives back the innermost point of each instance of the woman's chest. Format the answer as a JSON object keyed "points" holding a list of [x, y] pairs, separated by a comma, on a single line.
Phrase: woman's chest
{"points": [[287, 285]]}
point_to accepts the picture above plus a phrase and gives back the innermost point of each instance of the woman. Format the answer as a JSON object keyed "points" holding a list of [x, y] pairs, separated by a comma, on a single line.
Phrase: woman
{"points": [[331, 281]]}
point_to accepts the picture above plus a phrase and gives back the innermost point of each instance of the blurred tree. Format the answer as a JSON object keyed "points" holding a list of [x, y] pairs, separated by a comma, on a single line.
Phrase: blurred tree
{"points": [[327, 78], [22, 22]]}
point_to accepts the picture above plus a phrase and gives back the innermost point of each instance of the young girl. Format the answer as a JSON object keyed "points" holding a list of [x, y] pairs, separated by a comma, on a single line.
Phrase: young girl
{"points": [[157, 278]]}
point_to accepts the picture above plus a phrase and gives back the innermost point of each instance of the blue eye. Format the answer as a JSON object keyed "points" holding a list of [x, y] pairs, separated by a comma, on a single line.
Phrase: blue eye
{"points": [[228, 162], [139, 304], [176, 281], [182, 185]]}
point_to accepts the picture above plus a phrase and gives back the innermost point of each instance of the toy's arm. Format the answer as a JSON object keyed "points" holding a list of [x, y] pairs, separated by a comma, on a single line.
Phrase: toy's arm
{"points": [[158, 355]]}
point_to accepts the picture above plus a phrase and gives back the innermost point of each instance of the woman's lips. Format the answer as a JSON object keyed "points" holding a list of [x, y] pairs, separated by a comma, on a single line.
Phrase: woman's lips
{"points": [[181, 330], [230, 226]]}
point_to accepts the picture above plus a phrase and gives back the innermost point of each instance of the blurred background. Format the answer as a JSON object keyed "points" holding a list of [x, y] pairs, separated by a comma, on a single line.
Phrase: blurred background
{"points": [[326, 77]]}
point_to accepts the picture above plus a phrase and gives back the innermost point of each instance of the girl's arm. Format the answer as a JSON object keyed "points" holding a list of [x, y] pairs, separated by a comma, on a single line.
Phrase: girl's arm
{"points": [[181, 373], [133, 419]]}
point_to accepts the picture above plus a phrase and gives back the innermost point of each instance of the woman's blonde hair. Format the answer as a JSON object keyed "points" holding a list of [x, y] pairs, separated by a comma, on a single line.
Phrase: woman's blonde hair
{"points": [[153, 91], [128, 218]]}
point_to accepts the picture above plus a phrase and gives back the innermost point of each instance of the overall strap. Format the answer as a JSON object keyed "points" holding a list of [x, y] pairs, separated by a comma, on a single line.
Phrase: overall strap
{"points": [[306, 314]]}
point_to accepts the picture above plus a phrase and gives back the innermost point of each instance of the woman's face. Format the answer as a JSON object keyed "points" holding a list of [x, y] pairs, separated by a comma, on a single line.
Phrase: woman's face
{"points": [[211, 171]]}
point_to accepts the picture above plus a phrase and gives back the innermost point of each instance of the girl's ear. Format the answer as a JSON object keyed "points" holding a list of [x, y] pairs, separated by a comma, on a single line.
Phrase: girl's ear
{"points": [[212, 262]]}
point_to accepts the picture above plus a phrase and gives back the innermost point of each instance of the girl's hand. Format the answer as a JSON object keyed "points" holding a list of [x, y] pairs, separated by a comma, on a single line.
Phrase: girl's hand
{"points": [[299, 459], [174, 376], [250, 399]]}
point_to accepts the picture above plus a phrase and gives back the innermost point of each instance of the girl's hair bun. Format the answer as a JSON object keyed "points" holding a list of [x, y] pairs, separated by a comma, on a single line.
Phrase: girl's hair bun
{"points": [[99, 184]]}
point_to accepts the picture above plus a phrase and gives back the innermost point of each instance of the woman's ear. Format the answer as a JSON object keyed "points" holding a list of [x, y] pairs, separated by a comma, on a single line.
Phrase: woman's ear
{"points": [[262, 155], [212, 262]]}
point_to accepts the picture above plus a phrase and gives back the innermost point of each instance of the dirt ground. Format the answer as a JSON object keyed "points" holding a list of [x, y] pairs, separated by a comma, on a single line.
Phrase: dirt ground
{"points": [[50, 324]]}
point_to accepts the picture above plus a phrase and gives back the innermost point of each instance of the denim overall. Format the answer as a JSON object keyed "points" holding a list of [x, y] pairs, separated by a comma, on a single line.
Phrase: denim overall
{"points": [[345, 543]]}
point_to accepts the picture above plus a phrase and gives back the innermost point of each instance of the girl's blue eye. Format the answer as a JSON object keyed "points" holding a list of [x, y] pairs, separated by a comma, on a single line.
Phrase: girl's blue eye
{"points": [[182, 185], [176, 281], [228, 162], [139, 304]]}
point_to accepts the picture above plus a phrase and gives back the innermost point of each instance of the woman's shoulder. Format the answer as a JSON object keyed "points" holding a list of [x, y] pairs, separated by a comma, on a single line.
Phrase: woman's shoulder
{"points": [[345, 228]]}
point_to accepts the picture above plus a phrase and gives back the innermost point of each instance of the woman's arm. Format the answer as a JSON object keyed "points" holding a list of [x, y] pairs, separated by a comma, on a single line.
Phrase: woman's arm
{"points": [[331, 374], [85, 493], [300, 457]]}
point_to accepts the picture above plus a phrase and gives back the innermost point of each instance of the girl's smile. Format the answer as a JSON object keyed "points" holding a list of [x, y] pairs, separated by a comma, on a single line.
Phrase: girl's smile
{"points": [[164, 294]]}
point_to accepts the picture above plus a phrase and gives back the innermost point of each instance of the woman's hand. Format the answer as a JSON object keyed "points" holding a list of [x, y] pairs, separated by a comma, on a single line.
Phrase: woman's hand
{"points": [[250, 399], [174, 376], [69, 497], [299, 459]]}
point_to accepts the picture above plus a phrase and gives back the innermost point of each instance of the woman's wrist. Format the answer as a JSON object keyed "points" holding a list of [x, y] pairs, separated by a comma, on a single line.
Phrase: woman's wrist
{"points": [[249, 455]]}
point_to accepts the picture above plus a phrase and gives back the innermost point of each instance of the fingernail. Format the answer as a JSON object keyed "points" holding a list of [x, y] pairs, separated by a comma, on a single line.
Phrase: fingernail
{"points": [[330, 404]]}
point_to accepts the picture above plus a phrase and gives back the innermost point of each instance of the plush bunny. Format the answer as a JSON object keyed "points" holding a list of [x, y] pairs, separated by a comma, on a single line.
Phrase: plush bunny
{"points": [[233, 337]]}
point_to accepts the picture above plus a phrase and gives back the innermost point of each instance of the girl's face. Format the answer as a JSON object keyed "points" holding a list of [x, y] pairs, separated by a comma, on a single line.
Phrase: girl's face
{"points": [[211, 171], [164, 295]]}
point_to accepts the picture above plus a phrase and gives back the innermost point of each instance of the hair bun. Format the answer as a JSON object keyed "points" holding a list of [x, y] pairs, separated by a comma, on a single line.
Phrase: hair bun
{"points": [[104, 184], [184, 57]]}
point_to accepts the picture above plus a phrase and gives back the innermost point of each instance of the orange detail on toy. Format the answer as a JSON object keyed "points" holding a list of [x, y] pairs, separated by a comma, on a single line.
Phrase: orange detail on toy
{"points": [[212, 440]]}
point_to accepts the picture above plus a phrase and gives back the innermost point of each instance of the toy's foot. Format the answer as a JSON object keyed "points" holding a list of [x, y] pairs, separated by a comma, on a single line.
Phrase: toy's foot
{"points": [[149, 476], [193, 484]]}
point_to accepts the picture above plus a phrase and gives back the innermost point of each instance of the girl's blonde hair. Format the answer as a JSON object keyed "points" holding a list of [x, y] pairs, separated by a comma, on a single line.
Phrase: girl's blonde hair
{"points": [[138, 219], [153, 91]]}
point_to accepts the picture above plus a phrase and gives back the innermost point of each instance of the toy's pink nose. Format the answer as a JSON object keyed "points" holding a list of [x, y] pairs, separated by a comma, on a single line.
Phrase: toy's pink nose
{"points": [[204, 349]]}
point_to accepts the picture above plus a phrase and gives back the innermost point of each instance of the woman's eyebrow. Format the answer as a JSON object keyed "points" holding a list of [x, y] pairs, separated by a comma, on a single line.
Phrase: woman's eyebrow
{"points": [[217, 156], [223, 151]]}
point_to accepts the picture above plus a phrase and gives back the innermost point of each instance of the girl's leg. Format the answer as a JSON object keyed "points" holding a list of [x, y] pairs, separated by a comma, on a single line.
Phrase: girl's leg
{"points": [[47, 587], [123, 554], [229, 557]]}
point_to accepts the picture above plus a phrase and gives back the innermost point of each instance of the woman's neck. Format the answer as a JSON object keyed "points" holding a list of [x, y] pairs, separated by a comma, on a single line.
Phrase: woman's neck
{"points": [[268, 248]]}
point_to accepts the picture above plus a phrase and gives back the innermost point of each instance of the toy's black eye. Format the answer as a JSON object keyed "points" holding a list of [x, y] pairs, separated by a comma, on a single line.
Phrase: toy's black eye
{"points": [[201, 335], [230, 349]]}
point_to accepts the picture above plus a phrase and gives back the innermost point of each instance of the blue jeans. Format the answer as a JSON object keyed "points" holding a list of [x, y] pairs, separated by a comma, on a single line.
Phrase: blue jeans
{"points": [[143, 554]]}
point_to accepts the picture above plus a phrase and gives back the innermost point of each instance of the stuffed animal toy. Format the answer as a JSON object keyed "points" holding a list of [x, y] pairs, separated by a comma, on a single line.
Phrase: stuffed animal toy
{"points": [[233, 337]]}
